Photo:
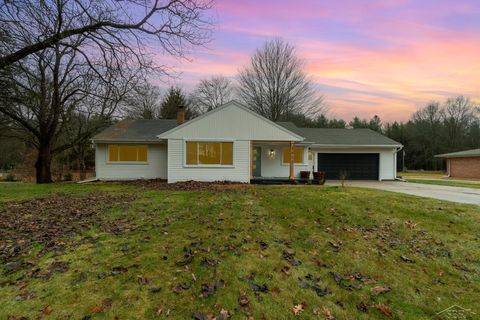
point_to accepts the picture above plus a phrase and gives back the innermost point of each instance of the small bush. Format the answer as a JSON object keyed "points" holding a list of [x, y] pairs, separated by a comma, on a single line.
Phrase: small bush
{"points": [[10, 177], [68, 176]]}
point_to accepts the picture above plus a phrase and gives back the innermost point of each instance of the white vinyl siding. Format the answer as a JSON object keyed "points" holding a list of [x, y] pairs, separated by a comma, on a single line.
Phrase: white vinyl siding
{"points": [[154, 168], [232, 122], [274, 168], [178, 171]]}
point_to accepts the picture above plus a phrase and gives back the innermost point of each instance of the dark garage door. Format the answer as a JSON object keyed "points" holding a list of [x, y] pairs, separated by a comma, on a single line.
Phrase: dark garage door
{"points": [[358, 166]]}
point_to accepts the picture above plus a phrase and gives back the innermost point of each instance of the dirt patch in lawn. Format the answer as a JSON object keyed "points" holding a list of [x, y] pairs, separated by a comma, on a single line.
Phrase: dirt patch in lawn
{"points": [[216, 186], [53, 221]]}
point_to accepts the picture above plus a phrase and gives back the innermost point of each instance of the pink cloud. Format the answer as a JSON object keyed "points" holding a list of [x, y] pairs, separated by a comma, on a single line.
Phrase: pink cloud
{"points": [[368, 57]]}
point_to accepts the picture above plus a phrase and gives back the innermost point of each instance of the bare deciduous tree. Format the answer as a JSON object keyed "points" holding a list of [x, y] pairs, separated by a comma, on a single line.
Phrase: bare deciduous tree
{"points": [[65, 60], [275, 84], [45, 94], [458, 114], [122, 27], [143, 102], [212, 93]]}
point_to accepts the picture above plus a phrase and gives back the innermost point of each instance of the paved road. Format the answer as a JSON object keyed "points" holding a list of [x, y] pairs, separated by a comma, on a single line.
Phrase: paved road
{"points": [[454, 194]]}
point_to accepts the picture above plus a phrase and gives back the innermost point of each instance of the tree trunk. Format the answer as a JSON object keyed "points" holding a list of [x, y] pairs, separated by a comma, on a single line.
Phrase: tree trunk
{"points": [[83, 169], [42, 165]]}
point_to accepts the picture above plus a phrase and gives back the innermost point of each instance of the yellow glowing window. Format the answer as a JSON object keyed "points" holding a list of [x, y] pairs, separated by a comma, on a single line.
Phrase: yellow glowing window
{"points": [[127, 153], [297, 155], [209, 153], [227, 153]]}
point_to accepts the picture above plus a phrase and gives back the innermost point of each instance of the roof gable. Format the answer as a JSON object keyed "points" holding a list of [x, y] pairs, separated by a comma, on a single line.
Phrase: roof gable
{"points": [[231, 121]]}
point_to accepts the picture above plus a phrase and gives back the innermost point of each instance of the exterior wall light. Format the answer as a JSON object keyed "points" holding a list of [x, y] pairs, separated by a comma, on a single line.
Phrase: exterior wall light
{"points": [[271, 154]]}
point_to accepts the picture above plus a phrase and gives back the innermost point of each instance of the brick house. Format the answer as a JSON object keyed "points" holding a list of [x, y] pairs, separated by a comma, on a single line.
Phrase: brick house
{"points": [[463, 164]]}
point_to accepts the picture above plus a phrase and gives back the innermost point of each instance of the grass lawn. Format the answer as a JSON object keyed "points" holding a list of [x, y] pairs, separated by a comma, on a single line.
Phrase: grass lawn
{"points": [[421, 174], [466, 184], [261, 251]]}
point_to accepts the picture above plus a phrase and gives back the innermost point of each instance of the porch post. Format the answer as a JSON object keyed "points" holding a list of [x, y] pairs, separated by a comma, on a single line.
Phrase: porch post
{"points": [[292, 160], [251, 159]]}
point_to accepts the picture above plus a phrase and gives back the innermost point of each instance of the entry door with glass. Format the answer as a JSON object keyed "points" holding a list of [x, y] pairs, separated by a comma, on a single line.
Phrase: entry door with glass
{"points": [[257, 162]]}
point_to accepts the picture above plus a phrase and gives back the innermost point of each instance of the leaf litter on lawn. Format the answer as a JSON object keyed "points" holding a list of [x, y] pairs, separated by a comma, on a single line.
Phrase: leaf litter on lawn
{"points": [[53, 221]]}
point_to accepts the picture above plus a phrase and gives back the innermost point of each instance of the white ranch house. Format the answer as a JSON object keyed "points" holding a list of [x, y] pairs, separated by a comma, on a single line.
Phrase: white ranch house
{"points": [[233, 143]]}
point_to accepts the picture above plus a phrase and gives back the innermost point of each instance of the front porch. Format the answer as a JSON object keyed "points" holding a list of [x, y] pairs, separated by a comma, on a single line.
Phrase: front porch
{"points": [[279, 180], [280, 162]]}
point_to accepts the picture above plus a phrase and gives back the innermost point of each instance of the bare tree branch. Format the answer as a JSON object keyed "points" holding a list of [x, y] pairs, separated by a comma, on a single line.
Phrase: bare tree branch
{"points": [[275, 84], [212, 93], [174, 25]]}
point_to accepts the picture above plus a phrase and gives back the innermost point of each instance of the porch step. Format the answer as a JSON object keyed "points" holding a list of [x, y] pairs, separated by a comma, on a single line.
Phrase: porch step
{"points": [[272, 181]]}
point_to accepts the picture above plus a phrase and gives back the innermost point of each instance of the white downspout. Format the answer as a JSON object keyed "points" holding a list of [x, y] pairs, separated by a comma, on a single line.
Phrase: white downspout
{"points": [[395, 162]]}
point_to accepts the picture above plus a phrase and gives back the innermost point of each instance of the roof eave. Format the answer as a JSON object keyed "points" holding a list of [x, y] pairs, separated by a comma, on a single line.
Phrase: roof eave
{"points": [[356, 145], [447, 156], [151, 141]]}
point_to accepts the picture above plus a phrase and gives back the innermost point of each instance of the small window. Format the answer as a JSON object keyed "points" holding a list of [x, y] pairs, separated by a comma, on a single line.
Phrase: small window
{"points": [[127, 153], [209, 153], [298, 153]]}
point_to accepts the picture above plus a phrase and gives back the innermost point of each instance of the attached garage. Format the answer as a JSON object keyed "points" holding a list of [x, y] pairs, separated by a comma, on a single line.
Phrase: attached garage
{"points": [[364, 154], [354, 166]]}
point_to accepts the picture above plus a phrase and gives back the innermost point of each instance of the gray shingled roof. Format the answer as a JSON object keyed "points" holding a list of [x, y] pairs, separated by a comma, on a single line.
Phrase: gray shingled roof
{"points": [[135, 130], [461, 154], [338, 136], [148, 130]]}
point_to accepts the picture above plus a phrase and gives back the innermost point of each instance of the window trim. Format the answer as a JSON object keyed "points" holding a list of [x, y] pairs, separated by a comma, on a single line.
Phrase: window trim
{"points": [[185, 165], [107, 154], [295, 164]]}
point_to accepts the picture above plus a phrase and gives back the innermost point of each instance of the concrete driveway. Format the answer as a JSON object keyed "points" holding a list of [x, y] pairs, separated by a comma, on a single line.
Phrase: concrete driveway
{"points": [[454, 194]]}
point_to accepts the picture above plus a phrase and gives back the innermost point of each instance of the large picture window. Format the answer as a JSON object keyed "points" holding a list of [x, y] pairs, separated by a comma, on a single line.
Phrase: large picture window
{"points": [[127, 153], [298, 154], [209, 153]]}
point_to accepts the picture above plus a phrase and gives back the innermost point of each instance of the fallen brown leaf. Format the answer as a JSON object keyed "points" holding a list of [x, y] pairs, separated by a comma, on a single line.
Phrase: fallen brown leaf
{"points": [[386, 310], [379, 289], [47, 310], [328, 314], [96, 309], [298, 308]]}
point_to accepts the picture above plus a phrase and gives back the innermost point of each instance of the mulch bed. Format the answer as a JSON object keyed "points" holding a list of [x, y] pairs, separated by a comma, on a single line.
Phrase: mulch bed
{"points": [[159, 184], [52, 221]]}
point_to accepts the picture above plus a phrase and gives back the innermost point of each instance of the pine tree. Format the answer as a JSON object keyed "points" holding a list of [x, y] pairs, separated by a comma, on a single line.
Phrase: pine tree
{"points": [[172, 100]]}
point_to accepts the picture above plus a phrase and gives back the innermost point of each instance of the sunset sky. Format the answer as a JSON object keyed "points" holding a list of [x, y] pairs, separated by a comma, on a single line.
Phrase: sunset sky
{"points": [[385, 57]]}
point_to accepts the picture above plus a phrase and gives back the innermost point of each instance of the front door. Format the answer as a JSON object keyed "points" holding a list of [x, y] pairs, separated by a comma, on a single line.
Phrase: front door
{"points": [[257, 161]]}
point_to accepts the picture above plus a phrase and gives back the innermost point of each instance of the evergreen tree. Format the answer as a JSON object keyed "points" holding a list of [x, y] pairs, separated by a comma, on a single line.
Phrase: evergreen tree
{"points": [[337, 123], [375, 124], [172, 100], [358, 123]]}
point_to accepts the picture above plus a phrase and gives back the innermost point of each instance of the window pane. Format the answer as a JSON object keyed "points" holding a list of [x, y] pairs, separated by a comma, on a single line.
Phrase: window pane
{"points": [[227, 153], [191, 152], [209, 152], [142, 153], [297, 154], [286, 155], [112, 152], [128, 153]]}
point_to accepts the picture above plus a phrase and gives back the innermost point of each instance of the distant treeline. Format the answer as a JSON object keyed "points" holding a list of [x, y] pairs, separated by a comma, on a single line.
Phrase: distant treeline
{"points": [[435, 129]]}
